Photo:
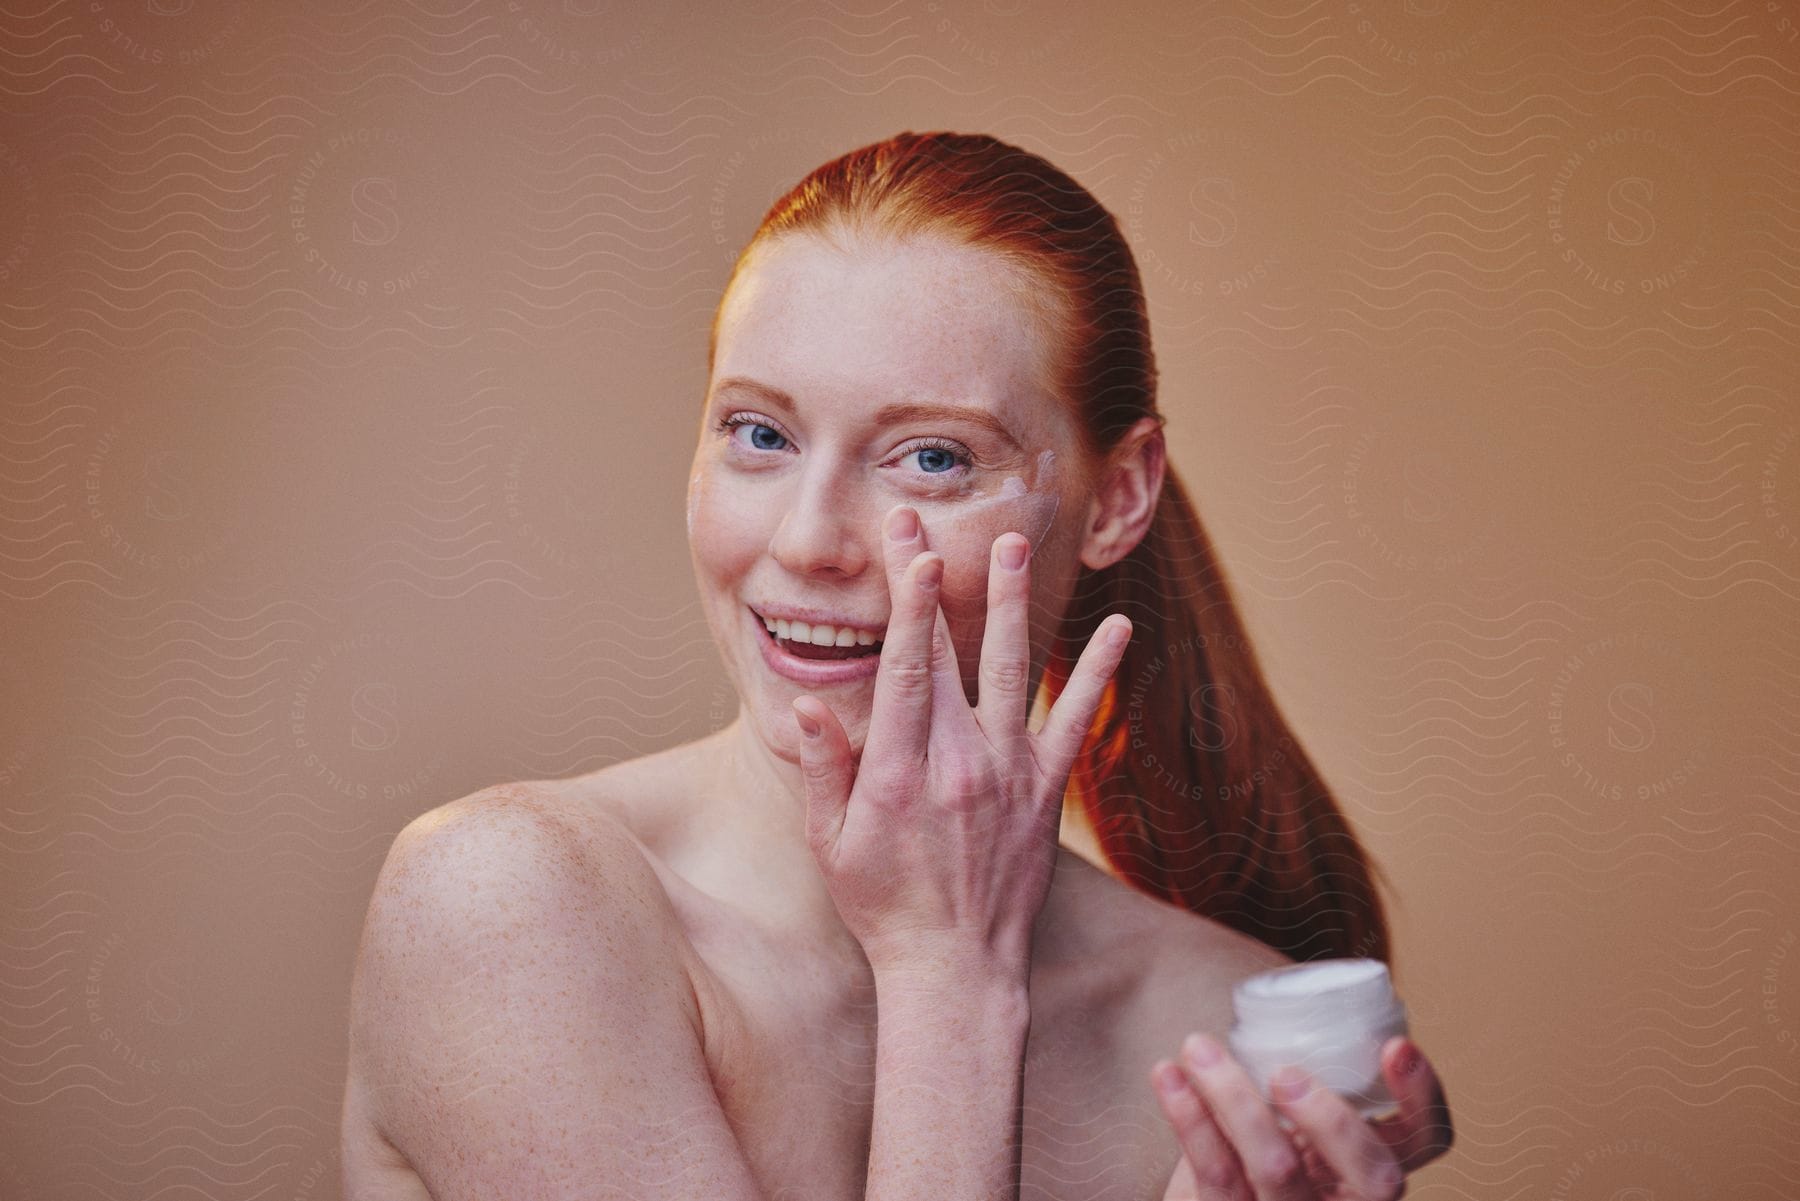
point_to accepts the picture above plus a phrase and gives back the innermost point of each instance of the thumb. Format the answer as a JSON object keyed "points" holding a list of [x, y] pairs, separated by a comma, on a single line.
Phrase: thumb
{"points": [[827, 773]]}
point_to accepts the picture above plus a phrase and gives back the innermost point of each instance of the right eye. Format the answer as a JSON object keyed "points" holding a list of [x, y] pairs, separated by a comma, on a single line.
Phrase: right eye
{"points": [[759, 434]]}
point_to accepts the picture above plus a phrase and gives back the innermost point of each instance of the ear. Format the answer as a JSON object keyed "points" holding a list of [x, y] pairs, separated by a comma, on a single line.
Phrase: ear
{"points": [[1125, 493]]}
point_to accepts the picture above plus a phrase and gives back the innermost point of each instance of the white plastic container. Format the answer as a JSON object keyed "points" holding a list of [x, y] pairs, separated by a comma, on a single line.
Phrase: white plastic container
{"points": [[1330, 1017]]}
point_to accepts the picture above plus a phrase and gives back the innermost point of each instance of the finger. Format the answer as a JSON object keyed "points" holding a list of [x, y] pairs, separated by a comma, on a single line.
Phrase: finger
{"points": [[1421, 1131], [1210, 1160], [900, 713], [1270, 1161], [949, 703], [1323, 1176], [1355, 1154], [1002, 705], [902, 540], [827, 773], [1066, 725]]}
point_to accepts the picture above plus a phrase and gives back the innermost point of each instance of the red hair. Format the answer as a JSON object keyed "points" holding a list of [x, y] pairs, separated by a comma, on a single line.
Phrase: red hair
{"points": [[1196, 788]]}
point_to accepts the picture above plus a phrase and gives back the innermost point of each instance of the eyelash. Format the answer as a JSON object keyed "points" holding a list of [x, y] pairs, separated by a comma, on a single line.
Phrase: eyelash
{"points": [[965, 459], [732, 420]]}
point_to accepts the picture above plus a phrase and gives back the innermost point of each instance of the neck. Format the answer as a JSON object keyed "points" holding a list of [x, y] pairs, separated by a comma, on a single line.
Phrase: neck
{"points": [[755, 835], [766, 791]]}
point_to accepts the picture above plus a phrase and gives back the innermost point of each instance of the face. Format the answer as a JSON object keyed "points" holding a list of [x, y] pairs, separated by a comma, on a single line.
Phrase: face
{"points": [[845, 384]]}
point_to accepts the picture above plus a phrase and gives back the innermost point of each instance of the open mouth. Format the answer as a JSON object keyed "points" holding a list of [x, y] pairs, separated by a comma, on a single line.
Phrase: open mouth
{"points": [[820, 642]]}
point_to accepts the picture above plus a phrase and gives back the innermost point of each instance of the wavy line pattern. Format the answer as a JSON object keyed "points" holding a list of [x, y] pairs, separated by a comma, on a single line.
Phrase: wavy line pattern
{"points": [[354, 354]]}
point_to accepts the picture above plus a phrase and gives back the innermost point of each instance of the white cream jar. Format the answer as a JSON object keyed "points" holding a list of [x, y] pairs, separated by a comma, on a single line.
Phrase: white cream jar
{"points": [[1330, 1017]]}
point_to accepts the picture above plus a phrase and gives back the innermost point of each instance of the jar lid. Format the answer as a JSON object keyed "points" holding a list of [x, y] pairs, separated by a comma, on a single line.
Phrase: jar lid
{"points": [[1323, 985]]}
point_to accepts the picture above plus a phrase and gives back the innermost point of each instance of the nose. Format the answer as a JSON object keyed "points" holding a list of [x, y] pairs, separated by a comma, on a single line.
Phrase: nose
{"points": [[823, 529]]}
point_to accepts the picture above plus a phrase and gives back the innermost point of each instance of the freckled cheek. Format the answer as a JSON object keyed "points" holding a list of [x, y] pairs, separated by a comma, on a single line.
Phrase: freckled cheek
{"points": [[964, 593], [726, 532]]}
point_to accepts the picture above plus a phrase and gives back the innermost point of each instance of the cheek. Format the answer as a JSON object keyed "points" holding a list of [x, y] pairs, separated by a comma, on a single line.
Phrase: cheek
{"points": [[723, 529], [966, 544], [965, 537], [967, 548], [1010, 506]]}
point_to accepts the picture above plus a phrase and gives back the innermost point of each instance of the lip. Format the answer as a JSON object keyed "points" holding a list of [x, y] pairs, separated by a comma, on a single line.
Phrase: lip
{"points": [[813, 673]]}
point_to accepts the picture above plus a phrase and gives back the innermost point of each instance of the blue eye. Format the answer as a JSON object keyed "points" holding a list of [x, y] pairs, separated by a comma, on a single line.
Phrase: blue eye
{"points": [[941, 457], [762, 435], [764, 438], [934, 460]]}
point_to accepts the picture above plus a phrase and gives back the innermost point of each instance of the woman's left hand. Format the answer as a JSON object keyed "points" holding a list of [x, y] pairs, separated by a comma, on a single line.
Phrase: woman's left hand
{"points": [[1233, 1148]]}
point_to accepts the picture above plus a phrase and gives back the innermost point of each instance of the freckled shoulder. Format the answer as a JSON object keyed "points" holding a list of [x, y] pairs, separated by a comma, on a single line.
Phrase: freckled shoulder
{"points": [[566, 831], [522, 987]]}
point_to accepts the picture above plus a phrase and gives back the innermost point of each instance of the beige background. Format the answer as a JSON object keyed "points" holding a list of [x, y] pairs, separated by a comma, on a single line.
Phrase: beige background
{"points": [[351, 362]]}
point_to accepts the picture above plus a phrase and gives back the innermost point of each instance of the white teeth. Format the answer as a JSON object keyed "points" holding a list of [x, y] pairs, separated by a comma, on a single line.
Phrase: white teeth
{"points": [[819, 635]]}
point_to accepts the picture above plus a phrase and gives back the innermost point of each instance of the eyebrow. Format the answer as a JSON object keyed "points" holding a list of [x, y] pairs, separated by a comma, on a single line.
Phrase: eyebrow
{"points": [[894, 414]]}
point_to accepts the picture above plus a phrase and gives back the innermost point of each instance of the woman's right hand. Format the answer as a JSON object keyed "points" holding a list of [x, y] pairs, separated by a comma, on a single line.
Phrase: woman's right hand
{"points": [[938, 846]]}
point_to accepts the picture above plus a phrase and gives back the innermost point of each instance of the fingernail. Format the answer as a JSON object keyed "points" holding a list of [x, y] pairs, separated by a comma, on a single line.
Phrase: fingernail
{"points": [[903, 525], [1201, 1052], [1121, 632], [930, 574], [1411, 1061], [1289, 1084], [807, 725], [1012, 554], [1168, 1079]]}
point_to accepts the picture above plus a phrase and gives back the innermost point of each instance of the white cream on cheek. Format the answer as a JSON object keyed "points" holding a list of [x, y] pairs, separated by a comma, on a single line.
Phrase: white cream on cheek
{"points": [[1015, 506]]}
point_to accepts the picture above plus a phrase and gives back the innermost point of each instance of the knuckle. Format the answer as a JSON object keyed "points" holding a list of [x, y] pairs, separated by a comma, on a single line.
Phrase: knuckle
{"points": [[910, 676], [964, 782], [1003, 675]]}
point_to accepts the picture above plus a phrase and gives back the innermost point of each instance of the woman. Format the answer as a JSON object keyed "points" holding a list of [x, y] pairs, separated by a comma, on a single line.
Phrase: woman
{"points": [[930, 476]]}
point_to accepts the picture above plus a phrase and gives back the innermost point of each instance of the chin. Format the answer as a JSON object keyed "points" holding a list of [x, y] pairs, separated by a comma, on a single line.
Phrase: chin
{"points": [[780, 732]]}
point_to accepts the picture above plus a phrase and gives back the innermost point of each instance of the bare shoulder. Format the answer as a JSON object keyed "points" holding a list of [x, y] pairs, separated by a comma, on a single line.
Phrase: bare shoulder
{"points": [[505, 877], [518, 982], [541, 828], [473, 866], [1185, 967], [1213, 950]]}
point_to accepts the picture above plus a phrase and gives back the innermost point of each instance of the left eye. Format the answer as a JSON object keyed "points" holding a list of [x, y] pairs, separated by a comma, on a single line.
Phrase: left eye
{"points": [[935, 460]]}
